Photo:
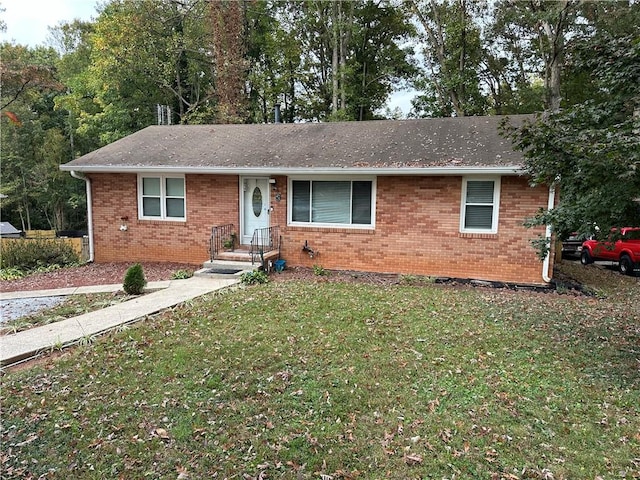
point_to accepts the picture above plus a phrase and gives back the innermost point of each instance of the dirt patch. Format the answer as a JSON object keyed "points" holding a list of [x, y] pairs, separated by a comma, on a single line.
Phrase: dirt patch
{"points": [[47, 361], [113, 273], [91, 274], [348, 276]]}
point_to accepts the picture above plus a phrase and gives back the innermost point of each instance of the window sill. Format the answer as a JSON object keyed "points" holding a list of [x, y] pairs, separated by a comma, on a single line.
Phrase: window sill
{"points": [[488, 236], [313, 228], [160, 221]]}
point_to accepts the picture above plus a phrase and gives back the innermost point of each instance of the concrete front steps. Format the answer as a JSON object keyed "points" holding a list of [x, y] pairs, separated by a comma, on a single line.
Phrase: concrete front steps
{"points": [[234, 263]]}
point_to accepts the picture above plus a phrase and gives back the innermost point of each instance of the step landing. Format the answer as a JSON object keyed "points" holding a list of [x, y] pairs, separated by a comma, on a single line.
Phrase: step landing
{"points": [[225, 268]]}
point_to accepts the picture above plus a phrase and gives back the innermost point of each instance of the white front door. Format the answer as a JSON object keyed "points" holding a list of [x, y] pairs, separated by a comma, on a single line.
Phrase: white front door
{"points": [[255, 206]]}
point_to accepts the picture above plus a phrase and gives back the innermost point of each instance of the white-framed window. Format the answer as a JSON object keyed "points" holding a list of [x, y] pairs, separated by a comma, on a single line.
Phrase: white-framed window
{"points": [[480, 205], [343, 202], [161, 197]]}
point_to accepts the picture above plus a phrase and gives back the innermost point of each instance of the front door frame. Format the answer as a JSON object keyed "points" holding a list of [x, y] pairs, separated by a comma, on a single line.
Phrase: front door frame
{"points": [[245, 188]]}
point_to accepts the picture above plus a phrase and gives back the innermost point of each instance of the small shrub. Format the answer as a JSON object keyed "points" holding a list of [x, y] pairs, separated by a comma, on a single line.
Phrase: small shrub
{"points": [[181, 274], [134, 280], [255, 277], [562, 288], [416, 280], [11, 273], [319, 270], [30, 254], [47, 268]]}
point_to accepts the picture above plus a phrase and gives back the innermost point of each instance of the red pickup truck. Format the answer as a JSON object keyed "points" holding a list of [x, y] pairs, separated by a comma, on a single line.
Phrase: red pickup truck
{"points": [[625, 249]]}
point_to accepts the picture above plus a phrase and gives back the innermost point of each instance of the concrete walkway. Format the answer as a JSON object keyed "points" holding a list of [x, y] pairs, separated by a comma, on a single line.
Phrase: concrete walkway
{"points": [[29, 343]]}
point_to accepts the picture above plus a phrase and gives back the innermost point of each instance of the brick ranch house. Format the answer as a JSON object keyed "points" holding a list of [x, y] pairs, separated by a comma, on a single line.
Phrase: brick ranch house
{"points": [[438, 197]]}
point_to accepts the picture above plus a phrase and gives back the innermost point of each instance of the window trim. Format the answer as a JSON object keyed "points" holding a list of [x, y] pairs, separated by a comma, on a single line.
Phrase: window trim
{"points": [[163, 198], [495, 204], [327, 178]]}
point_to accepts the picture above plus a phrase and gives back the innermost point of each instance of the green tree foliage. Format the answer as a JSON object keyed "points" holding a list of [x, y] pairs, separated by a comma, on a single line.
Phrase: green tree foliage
{"points": [[592, 149], [34, 142], [274, 62], [351, 56], [73, 42], [379, 59], [510, 68], [452, 52], [321, 60], [497, 57], [145, 53], [537, 35]]}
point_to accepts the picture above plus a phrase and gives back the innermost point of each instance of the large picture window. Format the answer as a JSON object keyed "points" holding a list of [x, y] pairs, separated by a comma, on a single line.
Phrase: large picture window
{"points": [[480, 201], [161, 197], [332, 202]]}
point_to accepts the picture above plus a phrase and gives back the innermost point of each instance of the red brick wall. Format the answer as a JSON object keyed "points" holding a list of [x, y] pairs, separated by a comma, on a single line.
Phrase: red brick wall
{"points": [[417, 228], [417, 232], [210, 200]]}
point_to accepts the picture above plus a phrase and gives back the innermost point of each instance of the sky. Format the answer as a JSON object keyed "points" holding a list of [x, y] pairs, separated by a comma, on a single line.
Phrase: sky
{"points": [[28, 21]]}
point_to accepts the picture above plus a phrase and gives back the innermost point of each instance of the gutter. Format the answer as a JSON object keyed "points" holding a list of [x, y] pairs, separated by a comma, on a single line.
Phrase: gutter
{"points": [[87, 181], [266, 171], [547, 260]]}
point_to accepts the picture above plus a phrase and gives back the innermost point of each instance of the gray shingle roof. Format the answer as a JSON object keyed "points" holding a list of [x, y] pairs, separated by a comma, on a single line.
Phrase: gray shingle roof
{"points": [[7, 229], [361, 146]]}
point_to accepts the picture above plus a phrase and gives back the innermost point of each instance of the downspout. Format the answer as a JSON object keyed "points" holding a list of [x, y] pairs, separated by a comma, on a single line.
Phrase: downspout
{"points": [[87, 181], [545, 265]]}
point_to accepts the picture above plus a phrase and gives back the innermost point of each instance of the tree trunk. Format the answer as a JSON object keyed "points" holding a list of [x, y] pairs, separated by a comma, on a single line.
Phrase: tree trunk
{"points": [[334, 60], [462, 60], [24, 228], [25, 201], [345, 37], [228, 37], [554, 60], [436, 37]]}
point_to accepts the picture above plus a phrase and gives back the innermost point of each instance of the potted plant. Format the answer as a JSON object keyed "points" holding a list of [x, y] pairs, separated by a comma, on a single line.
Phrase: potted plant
{"points": [[230, 242]]}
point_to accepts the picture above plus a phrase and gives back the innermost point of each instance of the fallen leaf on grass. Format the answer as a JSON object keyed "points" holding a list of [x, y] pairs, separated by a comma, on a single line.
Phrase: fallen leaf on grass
{"points": [[413, 459], [27, 441], [161, 433], [183, 474]]}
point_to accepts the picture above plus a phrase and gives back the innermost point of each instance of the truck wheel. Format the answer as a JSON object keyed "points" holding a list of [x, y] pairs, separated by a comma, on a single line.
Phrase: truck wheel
{"points": [[585, 258], [626, 265]]}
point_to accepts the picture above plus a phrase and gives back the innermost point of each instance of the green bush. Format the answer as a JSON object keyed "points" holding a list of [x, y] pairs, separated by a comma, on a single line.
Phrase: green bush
{"points": [[257, 276], [11, 273], [32, 254], [181, 274], [134, 280]]}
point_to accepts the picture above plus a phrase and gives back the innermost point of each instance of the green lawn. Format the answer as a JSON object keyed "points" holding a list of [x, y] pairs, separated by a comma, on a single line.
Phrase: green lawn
{"points": [[329, 380]]}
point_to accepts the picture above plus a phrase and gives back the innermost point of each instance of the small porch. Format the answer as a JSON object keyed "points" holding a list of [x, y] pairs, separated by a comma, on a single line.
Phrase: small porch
{"points": [[263, 250]]}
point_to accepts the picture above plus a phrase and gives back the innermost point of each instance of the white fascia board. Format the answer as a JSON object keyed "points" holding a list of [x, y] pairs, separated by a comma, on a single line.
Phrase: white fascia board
{"points": [[267, 171]]}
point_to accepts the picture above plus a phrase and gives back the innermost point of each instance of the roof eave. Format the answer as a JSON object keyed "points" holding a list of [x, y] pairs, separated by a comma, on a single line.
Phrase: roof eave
{"points": [[267, 171]]}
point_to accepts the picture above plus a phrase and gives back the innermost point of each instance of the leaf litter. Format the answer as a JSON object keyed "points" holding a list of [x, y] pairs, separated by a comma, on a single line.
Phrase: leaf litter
{"points": [[393, 381]]}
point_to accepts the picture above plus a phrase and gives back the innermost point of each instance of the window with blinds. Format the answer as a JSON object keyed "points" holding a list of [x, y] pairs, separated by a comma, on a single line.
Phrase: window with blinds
{"points": [[480, 200], [332, 202]]}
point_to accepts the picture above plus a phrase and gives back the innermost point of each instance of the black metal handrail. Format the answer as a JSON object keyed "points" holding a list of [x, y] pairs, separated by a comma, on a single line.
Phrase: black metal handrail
{"points": [[264, 240], [220, 234]]}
